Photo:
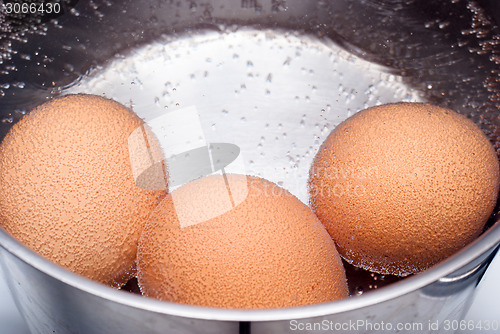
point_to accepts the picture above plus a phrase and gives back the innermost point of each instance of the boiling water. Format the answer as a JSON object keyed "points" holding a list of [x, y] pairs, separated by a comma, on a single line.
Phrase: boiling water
{"points": [[275, 94]]}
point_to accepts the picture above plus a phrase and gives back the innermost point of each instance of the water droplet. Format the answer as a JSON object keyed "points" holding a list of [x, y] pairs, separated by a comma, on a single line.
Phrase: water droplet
{"points": [[8, 119], [69, 67], [74, 12], [443, 25]]}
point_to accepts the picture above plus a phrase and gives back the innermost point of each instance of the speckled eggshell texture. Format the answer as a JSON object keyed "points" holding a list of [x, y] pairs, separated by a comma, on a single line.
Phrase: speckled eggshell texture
{"points": [[402, 186], [67, 190], [265, 250]]}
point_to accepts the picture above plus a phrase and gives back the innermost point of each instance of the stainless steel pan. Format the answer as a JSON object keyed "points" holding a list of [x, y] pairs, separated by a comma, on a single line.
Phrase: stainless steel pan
{"points": [[273, 77]]}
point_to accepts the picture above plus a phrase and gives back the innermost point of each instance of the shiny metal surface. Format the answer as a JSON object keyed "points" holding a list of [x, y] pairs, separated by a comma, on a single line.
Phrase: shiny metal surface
{"points": [[52, 298], [354, 54]]}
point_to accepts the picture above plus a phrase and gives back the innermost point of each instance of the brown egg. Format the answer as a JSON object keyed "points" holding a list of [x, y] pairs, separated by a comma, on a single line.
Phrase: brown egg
{"points": [[402, 186], [238, 242], [67, 190]]}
